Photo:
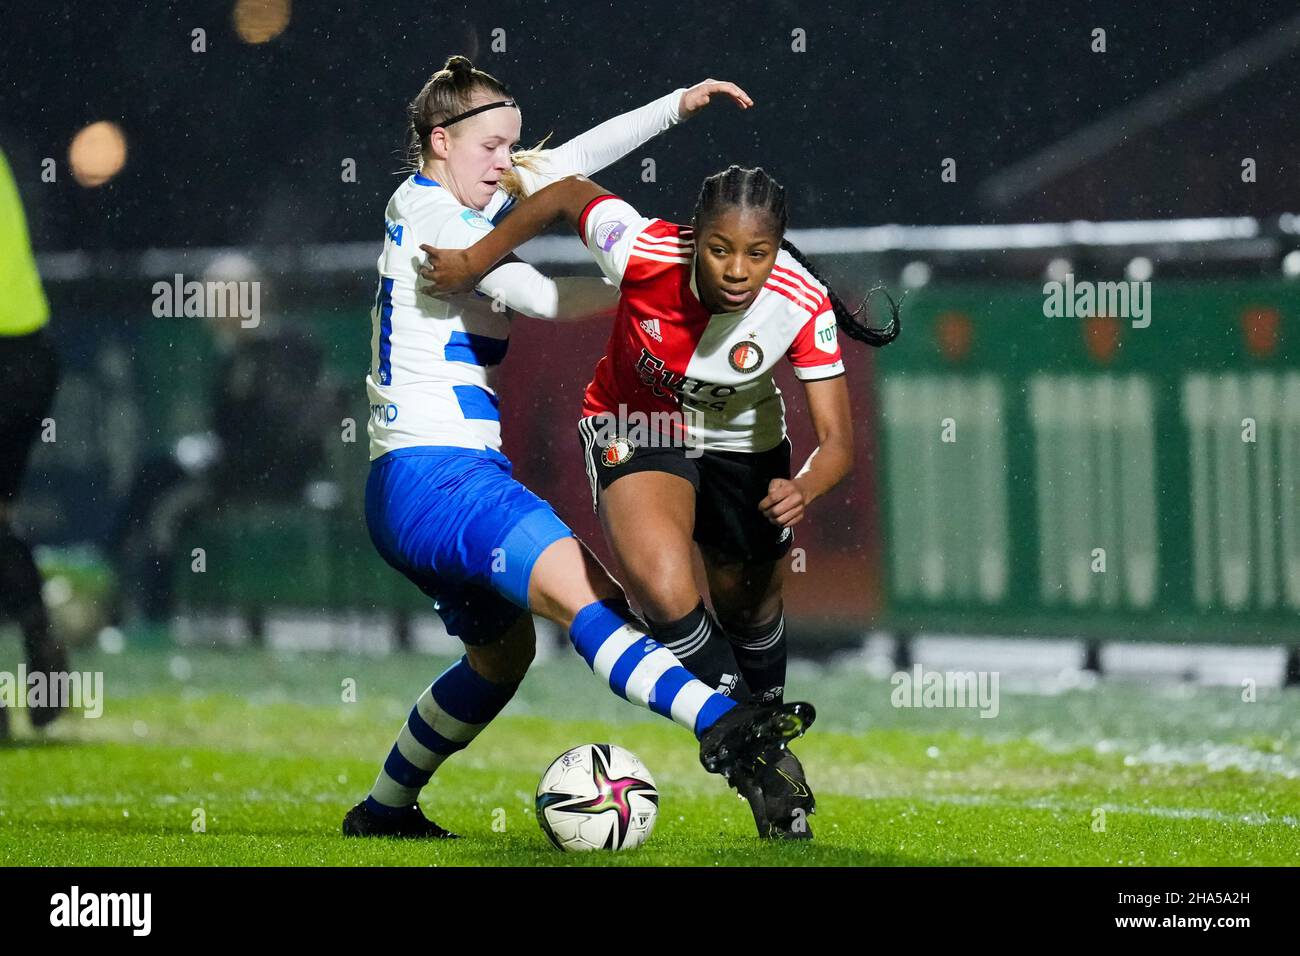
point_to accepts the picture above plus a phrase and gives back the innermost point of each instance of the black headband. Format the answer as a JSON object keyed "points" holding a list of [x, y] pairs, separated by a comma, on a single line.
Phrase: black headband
{"points": [[466, 115]]}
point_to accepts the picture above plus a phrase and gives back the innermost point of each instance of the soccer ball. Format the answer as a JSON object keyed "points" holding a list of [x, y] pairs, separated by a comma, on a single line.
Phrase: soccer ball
{"points": [[597, 797]]}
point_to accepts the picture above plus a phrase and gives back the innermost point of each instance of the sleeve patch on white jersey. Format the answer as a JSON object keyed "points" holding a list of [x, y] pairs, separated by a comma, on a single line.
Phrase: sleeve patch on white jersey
{"points": [[476, 220], [608, 233], [825, 332]]}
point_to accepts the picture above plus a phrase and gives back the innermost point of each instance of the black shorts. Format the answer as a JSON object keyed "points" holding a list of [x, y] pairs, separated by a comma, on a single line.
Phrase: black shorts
{"points": [[728, 487], [29, 369]]}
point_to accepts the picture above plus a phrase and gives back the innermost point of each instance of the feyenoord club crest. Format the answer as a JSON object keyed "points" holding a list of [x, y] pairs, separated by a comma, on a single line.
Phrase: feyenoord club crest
{"points": [[617, 452], [745, 356]]}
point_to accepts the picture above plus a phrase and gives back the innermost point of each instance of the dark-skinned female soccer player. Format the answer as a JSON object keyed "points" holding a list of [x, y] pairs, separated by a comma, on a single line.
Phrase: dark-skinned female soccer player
{"points": [[705, 313]]}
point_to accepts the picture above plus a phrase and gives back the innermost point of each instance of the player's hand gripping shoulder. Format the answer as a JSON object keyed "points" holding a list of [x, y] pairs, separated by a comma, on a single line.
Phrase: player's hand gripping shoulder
{"points": [[459, 270], [450, 270]]}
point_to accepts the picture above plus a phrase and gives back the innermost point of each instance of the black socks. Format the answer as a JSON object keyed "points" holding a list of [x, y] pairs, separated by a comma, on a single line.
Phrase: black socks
{"points": [[761, 654], [701, 645]]}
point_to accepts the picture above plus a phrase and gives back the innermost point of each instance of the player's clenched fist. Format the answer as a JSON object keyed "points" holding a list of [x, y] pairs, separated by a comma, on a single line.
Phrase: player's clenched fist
{"points": [[784, 503]]}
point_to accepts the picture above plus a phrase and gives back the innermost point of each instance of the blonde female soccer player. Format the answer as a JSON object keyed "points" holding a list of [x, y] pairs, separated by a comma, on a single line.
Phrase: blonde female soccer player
{"points": [[441, 505]]}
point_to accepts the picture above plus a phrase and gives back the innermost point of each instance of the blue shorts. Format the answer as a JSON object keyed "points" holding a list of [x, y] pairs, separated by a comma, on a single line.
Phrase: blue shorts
{"points": [[456, 523]]}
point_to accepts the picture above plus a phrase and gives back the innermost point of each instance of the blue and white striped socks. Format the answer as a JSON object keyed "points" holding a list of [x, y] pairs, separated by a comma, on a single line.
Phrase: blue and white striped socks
{"points": [[451, 713], [640, 669], [460, 703]]}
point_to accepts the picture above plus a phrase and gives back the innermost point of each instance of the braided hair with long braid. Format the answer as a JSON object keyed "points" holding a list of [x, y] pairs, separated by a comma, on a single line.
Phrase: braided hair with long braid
{"points": [[755, 189]]}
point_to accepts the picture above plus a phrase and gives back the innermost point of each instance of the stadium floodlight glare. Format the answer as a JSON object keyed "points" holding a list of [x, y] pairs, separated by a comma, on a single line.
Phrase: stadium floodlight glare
{"points": [[257, 21], [1139, 269], [97, 153], [1291, 264], [915, 274], [1058, 269]]}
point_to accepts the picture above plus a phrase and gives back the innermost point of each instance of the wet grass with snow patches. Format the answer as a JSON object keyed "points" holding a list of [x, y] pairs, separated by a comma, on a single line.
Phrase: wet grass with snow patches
{"points": [[265, 746]]}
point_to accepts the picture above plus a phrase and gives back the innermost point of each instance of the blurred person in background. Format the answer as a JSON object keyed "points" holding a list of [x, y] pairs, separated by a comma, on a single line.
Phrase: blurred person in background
{"points": [[29, 369], [271, 404]]}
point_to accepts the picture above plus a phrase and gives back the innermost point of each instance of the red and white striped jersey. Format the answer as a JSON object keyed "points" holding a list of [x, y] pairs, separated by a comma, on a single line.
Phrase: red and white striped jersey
{"points": [[667, 353]]}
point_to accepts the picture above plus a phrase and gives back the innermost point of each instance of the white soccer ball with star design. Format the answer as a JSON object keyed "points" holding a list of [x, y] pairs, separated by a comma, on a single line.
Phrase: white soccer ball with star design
{"points": [[597, 797]]}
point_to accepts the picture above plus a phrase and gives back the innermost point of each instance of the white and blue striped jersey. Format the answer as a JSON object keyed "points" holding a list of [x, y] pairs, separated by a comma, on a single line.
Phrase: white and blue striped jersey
{"points": [[433, 364], [434, 360]]}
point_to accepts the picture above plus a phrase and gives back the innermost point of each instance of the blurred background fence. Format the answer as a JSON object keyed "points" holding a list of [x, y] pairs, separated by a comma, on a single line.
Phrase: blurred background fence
{"points": [[1107, 477], [1016, 473]]}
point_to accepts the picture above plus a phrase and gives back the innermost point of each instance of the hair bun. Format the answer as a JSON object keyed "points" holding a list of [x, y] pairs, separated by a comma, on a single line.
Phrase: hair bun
{"points": [[459, 64]]}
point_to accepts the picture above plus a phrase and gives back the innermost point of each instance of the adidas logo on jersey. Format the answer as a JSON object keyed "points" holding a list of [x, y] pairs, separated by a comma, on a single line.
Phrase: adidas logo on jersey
{"points": [[651, 327]]}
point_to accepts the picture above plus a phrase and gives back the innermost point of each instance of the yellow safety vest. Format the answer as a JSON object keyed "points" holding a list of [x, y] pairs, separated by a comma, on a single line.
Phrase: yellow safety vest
{"points": [[23, 308]]}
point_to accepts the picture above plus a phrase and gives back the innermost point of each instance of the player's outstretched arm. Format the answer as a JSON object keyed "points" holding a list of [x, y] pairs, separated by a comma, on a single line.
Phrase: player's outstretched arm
{"points": [[603, 145], [459, 270], [828, 404]]}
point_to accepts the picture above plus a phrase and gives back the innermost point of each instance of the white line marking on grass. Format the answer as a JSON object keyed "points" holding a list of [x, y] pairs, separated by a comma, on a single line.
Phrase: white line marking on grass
{"points": [[1043, 803]]}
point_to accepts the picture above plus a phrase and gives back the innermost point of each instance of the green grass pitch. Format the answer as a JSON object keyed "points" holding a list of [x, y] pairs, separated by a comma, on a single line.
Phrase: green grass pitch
{"points": [[264, 744]]}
